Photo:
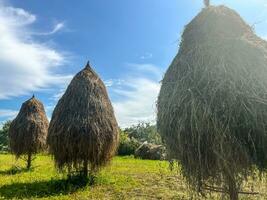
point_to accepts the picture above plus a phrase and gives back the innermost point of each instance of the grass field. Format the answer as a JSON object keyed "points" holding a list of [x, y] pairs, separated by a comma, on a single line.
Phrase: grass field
{"points": [[126, 178]]}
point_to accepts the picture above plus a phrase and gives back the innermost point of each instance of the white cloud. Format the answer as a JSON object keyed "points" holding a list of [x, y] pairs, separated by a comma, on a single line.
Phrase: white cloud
{"points": [[138, 102], [156, 71], [135, 98], [59, 94], [6, 113], [146, 56], [16, 16], [25, 64], [58, 27], [112, 82], [109, 83]]}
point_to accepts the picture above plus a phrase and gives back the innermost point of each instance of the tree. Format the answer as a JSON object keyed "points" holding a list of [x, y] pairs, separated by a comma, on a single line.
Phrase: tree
{"points": [[144, 132], [4, 141]]}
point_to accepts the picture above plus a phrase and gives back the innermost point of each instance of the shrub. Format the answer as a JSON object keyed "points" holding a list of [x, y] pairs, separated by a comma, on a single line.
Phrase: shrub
{"points": [[127, 145]]}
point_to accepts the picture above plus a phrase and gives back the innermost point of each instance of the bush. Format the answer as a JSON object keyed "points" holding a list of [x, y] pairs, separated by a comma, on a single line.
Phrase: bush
{"points": [[127, 145]]}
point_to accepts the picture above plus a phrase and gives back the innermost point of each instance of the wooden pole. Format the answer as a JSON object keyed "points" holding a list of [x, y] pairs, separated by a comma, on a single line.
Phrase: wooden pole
{"points": [[29, 160], [85, 168], [207, 3]]}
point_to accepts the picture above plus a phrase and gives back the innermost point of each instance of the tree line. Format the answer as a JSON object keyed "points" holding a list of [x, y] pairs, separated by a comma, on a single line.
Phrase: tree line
{"points": [[130, 138]]}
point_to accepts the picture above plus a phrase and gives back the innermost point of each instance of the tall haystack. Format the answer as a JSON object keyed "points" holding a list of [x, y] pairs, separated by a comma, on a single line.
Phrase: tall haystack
{"points": [[28, 131], [212, 107], [83, 131]]}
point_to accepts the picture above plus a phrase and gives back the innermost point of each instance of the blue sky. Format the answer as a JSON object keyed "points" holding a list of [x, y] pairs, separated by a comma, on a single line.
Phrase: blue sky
{"points": [[130, 44]]}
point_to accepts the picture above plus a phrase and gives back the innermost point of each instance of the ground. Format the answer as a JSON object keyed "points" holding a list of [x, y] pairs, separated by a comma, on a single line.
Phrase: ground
{"points": [[125, 178]]}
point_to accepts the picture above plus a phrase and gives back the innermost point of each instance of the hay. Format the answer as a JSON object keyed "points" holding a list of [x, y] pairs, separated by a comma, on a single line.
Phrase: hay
{"points": [[83, 130], [28, 131], [212, 107], [150, 151]]}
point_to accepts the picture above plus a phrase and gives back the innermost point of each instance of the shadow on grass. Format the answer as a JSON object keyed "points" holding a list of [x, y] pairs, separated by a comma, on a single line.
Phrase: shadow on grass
{"points": [[40, 189], [15, 170]]}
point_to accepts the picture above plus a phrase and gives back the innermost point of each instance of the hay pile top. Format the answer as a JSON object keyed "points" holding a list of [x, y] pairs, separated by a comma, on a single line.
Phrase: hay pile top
{"points": [[219, 22]]}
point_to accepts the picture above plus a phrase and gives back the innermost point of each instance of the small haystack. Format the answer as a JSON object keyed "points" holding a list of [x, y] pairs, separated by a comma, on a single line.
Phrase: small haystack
{"points": [[83, 130], [150, 152], [28, 131], [212, 107]]}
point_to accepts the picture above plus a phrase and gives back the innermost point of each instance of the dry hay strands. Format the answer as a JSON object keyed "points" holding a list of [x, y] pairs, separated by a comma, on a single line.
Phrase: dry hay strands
{"points": [[28, 131], [212, 111], [83, 130]]}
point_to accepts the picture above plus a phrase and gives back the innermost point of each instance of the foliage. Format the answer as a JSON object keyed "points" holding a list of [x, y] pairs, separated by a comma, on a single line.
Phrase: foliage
{"points": [[4, 141], [144, 132], [127, 145]]}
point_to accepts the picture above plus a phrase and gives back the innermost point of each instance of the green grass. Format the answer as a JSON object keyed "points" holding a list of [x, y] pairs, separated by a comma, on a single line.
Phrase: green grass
{"points": [[125, 178]]}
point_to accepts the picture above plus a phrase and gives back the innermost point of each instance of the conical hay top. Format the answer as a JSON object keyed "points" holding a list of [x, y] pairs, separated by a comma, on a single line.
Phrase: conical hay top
{"points": [[83, 125], [212, 106], [28, 131], [215, 23]]}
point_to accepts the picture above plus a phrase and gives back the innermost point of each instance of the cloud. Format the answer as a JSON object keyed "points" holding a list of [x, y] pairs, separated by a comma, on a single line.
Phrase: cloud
{"points": [[6, 113], [16, 16], [135, 98], [112, 82], [58, 27], [59, 94], [156, 71], [138, 102], [25, 64], [146, 56]]}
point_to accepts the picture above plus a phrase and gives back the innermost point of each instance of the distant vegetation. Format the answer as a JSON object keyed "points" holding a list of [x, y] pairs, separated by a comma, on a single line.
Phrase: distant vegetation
{"points": [[131, 138], [144, 132], [4, 142]]}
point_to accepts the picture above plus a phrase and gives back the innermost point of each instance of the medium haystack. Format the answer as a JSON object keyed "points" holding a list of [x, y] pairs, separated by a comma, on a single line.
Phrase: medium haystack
{"points": [[83, 131], [28, 131], [212, 107]]}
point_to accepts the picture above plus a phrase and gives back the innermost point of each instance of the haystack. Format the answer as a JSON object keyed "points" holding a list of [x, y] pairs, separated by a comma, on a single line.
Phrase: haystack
{"points": [[83, 131], [28, 131], [212, 107], [150, 151]]}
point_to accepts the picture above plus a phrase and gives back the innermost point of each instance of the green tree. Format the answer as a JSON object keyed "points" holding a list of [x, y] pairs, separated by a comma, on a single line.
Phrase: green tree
{"points": [[4, 141], [144, 132]]}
